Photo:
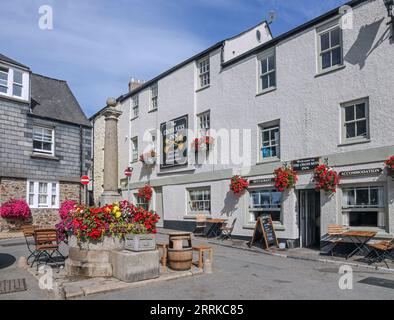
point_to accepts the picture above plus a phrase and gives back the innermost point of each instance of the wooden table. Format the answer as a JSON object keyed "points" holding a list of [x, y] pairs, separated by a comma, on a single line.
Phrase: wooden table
{"points": [[359, 239], [215, 228]]}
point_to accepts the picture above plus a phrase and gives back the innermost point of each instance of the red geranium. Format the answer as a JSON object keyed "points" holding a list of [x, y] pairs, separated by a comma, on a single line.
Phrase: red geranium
{"points": [[145, 192], [204, 143], [390, 164], [326, 179], [238, 185], [285, 178]]}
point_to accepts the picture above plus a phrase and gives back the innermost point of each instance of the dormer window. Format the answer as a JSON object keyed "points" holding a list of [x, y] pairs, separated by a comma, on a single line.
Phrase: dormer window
{"points": [[14, 83], [3, 80]]}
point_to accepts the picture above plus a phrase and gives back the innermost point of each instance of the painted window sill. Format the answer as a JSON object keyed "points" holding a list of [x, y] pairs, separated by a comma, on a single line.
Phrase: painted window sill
{"points": [[12, 98], [333, 69], [268, 160], [153, 110], [353, 142], [261, 93], [203, 88], [193, 216], [136, 117], [37, 155]]}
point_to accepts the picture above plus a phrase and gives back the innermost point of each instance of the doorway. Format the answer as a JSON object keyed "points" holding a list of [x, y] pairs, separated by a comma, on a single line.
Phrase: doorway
{"points": [[159, 206], [309, 218]]}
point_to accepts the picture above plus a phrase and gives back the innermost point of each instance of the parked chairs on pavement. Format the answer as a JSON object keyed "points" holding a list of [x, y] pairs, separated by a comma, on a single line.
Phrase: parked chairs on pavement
{"points": [[334, 237], [381, 251], [226, 231], [28, 233], [201, 224], [47, 246]]}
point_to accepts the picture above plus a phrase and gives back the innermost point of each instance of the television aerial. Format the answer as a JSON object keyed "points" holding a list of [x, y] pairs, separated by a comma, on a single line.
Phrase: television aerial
{"points": [[271, 16]]}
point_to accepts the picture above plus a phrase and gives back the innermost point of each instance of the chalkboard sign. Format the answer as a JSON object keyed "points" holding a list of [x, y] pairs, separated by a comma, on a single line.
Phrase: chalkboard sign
{"points": [[264, 232]]}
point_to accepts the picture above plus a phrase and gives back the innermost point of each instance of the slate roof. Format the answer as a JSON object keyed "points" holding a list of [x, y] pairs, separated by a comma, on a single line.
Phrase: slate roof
{"points": [[52, 98], [9, 60]]}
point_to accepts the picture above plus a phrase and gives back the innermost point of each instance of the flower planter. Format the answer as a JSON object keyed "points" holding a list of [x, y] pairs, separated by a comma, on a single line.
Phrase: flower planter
{"points": [[140, 242], [91, 259]]}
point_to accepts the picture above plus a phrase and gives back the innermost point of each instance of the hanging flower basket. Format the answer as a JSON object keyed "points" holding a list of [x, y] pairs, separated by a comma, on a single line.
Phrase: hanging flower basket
{"points": [[238, 185], [145, 193], [285, 178], [326, 179], [148, 158], [390, 166], [203, 144], [15, 212]]}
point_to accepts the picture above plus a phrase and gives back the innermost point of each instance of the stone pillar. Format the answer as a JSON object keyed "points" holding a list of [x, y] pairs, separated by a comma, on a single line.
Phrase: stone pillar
{"points": [[111, 193]]}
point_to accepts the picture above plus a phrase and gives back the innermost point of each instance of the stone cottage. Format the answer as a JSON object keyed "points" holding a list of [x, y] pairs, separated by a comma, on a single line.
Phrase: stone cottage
{"points": [[45, 141]]}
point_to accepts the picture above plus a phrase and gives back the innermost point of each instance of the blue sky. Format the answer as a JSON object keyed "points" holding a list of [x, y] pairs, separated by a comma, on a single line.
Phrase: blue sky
{"points": [[97, 45]]}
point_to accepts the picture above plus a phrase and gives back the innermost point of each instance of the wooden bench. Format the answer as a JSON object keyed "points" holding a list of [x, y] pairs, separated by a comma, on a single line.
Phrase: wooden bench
{"points": [[163, 259], [201, 250]]}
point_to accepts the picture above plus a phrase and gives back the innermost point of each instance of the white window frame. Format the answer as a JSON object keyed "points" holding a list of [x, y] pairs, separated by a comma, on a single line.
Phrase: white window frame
{"points": [[141, 202], [380, 208], [204, 123], [251, 221], [11, 83], [52, 151], [51, 192], [4, 83], [264, 127], [204, 72], [154, 97], [17, 84], [324, 30], [135, 106], [264, 58], [134, 149], [204, 191], [356, 139]]}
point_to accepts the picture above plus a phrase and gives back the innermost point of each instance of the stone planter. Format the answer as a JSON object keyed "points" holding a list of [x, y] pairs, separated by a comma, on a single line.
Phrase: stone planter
{"points": [[91, 259], [140, 242]]}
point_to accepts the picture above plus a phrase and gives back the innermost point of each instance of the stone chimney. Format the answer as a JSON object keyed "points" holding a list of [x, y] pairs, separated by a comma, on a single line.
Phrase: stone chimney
{"points": [[134, 84]]}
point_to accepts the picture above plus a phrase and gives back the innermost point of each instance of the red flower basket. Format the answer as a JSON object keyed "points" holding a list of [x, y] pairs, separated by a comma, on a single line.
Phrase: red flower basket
{"points": [[285, 178], [390, 166], [148, 158], [202, 144], [326, 179], [238, 185], [145, 193]]}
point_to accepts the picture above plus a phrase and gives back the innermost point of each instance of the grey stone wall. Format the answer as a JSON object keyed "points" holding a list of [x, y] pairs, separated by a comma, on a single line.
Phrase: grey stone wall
{"points": [[16, 146]]}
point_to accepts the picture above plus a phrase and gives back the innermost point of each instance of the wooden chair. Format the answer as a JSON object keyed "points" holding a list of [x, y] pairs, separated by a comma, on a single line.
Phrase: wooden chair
{"points": [[201, 249], [28, 233], [163, 259], [380, 251], [46, 246], [226, 231], [201, 224], [334, 236]]}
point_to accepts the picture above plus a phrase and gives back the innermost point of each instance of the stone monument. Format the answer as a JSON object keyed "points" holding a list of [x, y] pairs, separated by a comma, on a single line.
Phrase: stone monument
{"points": [[111, 193]]}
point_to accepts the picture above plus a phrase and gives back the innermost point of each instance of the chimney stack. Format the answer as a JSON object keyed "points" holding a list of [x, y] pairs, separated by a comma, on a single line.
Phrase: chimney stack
{"points": [[134, 84]]}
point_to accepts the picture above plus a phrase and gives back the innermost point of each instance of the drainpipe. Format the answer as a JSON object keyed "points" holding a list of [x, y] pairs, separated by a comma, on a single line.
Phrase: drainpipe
{"points": [[81, 160]]}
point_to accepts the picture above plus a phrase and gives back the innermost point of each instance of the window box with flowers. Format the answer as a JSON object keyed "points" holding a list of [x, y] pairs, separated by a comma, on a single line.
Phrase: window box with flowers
{"points": [[149, 158], [15, 212], [285, 178], [203, 144], [238, 185], [326, 179], [389, 163]]}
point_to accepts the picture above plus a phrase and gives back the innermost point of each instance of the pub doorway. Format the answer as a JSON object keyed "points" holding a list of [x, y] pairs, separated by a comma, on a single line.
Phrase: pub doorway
{"points": [[309, 218]]}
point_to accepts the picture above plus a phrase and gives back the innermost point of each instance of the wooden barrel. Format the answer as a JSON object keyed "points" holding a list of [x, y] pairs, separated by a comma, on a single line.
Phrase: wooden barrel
{"points": [[180, 260]]}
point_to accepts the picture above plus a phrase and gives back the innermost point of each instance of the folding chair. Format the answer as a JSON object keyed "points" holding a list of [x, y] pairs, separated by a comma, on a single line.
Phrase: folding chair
{"points": [[334, 237], [380, 251], [227, 231], [28, 233], [46, 246], [201, 224]]}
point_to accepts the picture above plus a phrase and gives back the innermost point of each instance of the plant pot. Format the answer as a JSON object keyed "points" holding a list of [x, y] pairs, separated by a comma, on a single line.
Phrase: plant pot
{"points": [[140, 242]]}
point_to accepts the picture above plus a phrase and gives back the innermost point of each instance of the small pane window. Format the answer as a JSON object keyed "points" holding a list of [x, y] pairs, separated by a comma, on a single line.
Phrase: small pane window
{"points": [[18, 84], [200, 201], [43, 140], [135, 103], [265, 202], [3, 80], [267, 72], [154, 96], [355, 121], [204, 123], [330, 54], [270, 141], [134, 149], [204, 72]]}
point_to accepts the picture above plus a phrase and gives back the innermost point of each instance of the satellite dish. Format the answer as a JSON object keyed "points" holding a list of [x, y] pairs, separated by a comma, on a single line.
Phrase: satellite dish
{"points": [[271, 16]]}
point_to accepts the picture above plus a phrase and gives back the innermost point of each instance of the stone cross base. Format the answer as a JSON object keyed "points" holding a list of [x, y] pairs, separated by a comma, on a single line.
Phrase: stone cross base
{"points": [[130, 266], [109, 198]]}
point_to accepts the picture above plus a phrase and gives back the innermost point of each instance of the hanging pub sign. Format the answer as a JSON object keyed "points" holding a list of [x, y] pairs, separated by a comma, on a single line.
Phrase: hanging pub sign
{"points": [[305, 164], [264, 232], [361, 172], [174, 142]]}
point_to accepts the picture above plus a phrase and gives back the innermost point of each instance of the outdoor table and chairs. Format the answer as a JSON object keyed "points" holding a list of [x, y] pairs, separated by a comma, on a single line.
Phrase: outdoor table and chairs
{"points": [[215, 227], [360, 240]]}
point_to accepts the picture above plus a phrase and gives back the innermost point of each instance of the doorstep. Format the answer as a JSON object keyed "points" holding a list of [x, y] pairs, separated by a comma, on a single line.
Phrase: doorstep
{"points": [[66, 288]]}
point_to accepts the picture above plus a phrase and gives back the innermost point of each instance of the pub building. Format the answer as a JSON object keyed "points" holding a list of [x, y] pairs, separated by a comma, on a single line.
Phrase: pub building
{"points": [[307, 97]]}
